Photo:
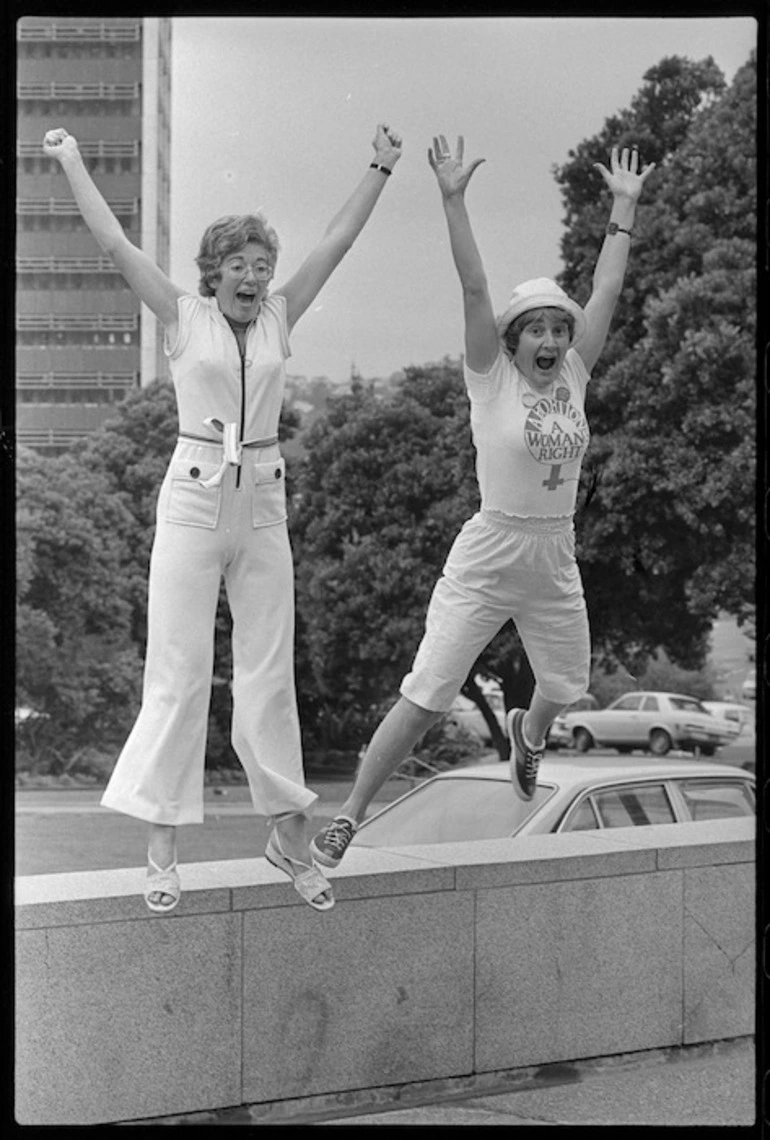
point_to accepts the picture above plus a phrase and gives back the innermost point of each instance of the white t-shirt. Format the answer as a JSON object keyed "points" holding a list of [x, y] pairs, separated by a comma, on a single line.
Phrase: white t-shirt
{"points": [[206, 367], [529, 446]]}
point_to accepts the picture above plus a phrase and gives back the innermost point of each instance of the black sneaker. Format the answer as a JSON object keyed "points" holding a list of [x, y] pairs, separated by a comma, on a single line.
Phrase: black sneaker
{"points": [[330, 845], [525, 761]]}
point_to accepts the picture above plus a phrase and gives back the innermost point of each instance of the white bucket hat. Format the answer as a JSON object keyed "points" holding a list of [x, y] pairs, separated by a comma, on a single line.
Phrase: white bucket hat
{"points": [[541, 293]]}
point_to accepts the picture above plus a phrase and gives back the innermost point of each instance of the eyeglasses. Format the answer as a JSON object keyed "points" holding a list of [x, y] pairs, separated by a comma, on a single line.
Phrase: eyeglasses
{"points": [[261, 270]]}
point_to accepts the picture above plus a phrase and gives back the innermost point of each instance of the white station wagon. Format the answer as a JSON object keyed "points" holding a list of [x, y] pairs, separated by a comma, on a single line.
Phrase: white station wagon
{"points": [[573, 794], [654, 722]]}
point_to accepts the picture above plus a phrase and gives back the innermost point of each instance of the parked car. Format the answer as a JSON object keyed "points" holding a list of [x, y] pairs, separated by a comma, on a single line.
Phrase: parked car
{"points": [[736, 715], [654, 722], [572, 794], [559, 735], [466, 712]]}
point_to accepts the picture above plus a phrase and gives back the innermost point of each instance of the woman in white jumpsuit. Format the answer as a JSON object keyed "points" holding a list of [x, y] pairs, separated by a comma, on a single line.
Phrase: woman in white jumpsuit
{"points": [[515, 559], [221, 513]]}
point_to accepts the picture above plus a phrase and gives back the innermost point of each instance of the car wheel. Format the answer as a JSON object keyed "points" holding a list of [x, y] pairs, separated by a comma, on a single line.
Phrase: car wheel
{"points": [[660, 742], [583, 739]]}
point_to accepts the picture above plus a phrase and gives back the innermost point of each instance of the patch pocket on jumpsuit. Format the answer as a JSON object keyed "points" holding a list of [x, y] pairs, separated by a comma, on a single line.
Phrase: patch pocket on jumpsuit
{"points": [[268, 493], [190, 504]]}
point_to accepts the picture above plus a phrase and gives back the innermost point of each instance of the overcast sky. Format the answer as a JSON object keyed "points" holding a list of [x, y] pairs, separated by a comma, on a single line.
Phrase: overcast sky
{"points": [[279, 114]]}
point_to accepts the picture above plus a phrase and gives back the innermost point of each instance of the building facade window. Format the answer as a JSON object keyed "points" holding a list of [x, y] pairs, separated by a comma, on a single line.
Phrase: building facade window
{"points": [[81, 35]]}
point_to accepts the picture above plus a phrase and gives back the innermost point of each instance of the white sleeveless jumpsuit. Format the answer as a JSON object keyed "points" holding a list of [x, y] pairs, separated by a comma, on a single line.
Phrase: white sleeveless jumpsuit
{"points": [[221, 513]]}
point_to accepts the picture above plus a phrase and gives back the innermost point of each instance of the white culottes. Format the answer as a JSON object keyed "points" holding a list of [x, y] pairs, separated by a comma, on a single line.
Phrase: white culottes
{"points": [[236, 529], [502, 568]]}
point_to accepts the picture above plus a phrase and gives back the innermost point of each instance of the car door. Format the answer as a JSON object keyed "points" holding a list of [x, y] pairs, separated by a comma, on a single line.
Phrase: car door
{"points": [[648, 716], [619, 724]]}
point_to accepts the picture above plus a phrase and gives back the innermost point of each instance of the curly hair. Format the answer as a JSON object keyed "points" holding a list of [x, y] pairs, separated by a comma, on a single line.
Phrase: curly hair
{"points": [[228, 235], [510, 334]]}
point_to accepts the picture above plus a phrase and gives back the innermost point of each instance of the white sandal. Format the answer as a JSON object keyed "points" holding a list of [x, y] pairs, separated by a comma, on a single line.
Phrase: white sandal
{"points": [[162, 882], [309, 883]]}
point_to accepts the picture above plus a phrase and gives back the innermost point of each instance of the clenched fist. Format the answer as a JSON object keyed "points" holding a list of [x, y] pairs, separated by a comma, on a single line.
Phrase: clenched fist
{"points": [[58, 143]]}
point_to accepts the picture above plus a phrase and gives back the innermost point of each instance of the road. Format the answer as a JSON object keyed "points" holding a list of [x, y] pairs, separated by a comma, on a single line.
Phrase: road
{"points": [[64, 829], [742, 753]]}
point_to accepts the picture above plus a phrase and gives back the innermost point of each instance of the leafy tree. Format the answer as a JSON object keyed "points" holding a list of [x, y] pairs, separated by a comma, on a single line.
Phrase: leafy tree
{"points": [[130, 452], [75, 661], [658, 121], [658, 674], [372, 520], [665, 533]]}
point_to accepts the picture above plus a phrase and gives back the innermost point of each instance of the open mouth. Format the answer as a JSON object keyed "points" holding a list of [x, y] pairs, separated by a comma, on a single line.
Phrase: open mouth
{"points": [[545, 363], [245, 297]]}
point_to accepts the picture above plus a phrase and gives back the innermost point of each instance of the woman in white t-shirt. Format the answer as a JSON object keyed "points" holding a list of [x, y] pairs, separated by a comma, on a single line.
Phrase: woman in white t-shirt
{"points": [[222, 514], [526, 373]]}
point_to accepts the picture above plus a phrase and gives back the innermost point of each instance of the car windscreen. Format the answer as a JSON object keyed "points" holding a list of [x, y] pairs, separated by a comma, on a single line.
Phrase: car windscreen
{"points": [[684, 704], [452, 810]]}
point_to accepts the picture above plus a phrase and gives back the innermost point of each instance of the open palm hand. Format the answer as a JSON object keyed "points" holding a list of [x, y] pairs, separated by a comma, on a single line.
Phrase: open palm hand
{"points": [[624, 178], [452, 176]]}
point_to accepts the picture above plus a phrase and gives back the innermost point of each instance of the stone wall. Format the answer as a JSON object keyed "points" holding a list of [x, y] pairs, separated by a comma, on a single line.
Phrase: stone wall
{"points": [[436, 962]]}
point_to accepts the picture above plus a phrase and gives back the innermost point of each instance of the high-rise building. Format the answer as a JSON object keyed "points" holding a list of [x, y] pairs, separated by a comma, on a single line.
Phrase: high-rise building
{"points": [[83, 339]]}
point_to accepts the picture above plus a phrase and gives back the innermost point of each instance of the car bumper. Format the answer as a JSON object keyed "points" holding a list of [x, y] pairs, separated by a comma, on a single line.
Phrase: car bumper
{"points": [[700, 740]]}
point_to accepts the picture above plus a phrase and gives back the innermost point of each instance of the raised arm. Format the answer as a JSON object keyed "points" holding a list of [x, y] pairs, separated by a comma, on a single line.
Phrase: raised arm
{"points": [[141, 273], [625, 181], [302, 288], [482, 342]]}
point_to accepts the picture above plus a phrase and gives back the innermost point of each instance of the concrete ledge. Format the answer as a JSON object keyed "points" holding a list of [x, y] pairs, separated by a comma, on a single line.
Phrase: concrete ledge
{"points": [[438, 962]]}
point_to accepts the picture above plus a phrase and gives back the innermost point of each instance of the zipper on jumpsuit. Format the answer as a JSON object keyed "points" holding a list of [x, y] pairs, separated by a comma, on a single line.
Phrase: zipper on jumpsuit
{"points": [[242, 354], [232, 446]]}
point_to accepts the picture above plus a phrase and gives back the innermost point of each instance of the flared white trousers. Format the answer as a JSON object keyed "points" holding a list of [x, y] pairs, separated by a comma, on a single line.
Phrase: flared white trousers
{"points": [[233, 528]]}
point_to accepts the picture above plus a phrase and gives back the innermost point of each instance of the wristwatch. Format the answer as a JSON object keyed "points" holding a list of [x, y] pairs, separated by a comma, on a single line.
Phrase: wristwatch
{"points": [[614, 228]]}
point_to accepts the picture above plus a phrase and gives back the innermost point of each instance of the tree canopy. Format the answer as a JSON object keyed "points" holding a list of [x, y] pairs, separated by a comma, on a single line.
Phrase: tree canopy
{"points": [[382, 489], [75, 660], [666, 534]]}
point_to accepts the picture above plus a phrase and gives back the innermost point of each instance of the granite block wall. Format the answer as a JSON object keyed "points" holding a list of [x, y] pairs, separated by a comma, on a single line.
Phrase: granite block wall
{"points": [[437, 962]]}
